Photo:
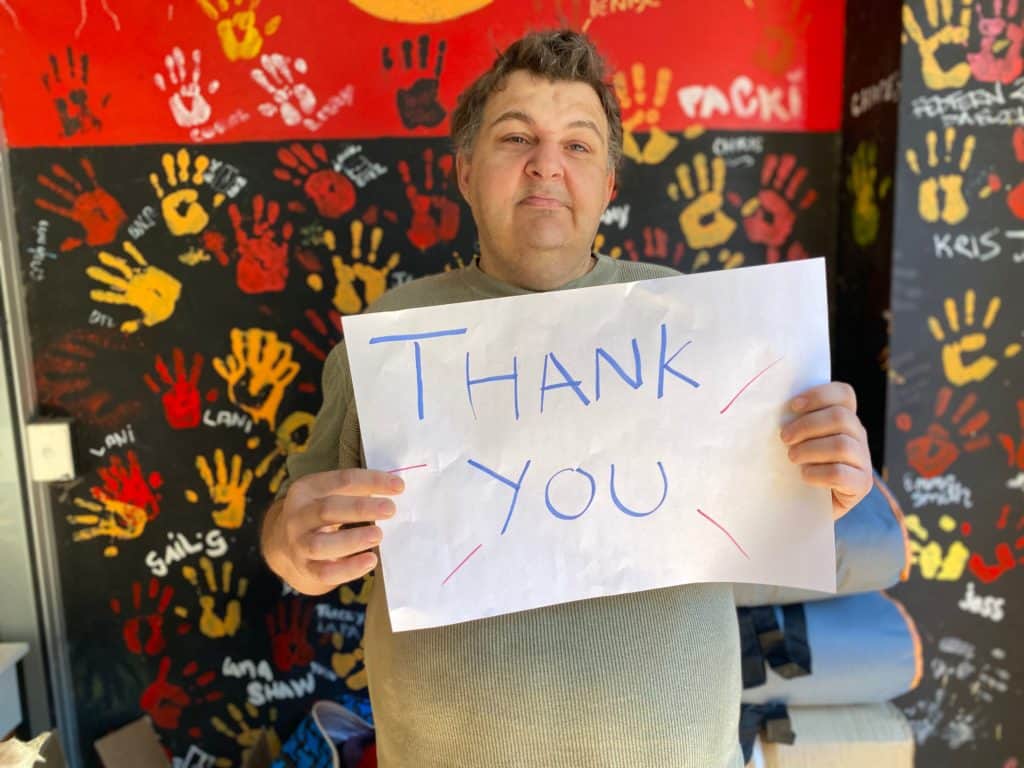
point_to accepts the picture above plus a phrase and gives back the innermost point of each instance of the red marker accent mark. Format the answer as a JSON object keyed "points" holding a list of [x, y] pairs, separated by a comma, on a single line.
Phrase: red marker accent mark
{"points": [[402, 469], [461, 564], [744, 387], [719, 527]]}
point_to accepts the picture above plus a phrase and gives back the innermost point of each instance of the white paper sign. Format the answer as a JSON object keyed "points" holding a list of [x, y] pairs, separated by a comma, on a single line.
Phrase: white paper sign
{"points": [[596, 441]]}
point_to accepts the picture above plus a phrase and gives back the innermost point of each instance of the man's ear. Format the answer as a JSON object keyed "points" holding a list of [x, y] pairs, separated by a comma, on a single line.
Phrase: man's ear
{"points": [[609, 187], [462, 170]]}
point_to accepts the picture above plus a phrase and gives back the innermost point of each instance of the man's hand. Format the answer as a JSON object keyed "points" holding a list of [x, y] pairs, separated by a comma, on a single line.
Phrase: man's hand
{"points": [[830, 444], [315, 538]]}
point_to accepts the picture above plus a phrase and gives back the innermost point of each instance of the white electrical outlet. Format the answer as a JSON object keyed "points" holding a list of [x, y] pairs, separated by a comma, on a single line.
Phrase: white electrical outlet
{"points": [[50, 456]]}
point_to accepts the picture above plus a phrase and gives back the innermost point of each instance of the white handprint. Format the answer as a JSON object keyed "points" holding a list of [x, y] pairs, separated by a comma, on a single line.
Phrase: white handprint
{"points": [[189, 106], [293, 101]]}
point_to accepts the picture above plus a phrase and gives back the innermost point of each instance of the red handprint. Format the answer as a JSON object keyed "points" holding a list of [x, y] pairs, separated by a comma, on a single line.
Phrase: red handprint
{"points": [[165, 701], [181, 402], [63, 371], [435, 217], [1005, 557], [769, 218], [655, 246], [998, 58], [1014, 450], [147, 622], [328, 333], [331, 192], [933, 452], [129, 486], [290, 639], [215, 242], [1015, 197], [263, 256], [90, 206]]}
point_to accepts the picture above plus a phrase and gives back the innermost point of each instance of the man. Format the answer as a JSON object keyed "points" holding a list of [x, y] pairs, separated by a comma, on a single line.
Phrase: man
{"points": [[643, 679]]}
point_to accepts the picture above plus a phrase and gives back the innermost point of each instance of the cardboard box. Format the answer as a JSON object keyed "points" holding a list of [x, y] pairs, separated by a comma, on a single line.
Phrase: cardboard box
{"points": [[876, 735], [135, 745], [10, 691]]}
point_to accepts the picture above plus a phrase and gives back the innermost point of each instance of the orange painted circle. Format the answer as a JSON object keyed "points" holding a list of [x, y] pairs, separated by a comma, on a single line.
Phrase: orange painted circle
{"points": [[419, 11]]}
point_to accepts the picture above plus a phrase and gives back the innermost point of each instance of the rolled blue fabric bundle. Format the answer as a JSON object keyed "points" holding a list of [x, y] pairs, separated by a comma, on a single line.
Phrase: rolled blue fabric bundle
{"points": [[872, 553], [862, 649]]}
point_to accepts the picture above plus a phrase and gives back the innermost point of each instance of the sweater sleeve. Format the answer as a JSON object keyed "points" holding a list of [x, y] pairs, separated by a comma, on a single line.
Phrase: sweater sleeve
{"points": [[322, 450], [872, 553]]}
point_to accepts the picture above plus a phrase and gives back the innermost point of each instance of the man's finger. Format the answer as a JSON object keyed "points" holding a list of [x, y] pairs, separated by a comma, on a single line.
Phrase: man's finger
{"points": [[335, 572], [833, 420], [827, 450], [333, 545], [843, 479], [349, 482], [823, 396], [343, 510]]}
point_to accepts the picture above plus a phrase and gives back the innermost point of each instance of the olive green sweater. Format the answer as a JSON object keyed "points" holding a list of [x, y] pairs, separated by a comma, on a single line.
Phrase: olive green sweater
{"points": [[649, 679]]}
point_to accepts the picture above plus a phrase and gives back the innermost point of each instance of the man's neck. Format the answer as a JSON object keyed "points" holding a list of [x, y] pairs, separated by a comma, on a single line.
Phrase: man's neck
{"points": [[542, 272]]}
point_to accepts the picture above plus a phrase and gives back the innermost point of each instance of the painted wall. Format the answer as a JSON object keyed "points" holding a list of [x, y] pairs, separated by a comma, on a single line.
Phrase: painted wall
{"points": [[205, 188], [864, 261], [955, 443]]}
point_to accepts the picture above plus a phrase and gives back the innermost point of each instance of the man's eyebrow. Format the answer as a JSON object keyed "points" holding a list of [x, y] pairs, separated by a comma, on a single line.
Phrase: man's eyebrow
{"points": [[587, 124], [512, 114], [516, 114]]}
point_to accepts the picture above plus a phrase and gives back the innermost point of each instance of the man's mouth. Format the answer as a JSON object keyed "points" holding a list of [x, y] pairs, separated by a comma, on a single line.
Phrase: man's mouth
{"points": [[542, 201]]}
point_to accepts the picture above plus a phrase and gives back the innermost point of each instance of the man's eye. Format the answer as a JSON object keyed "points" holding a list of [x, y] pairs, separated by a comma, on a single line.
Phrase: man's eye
{"points": [[516, 139], [578, 147]]}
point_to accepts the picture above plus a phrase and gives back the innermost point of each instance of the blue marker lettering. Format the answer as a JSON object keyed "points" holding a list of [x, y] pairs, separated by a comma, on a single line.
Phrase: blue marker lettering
{"points": [[514, 376], [666, 365], [515, 486], [569, 381], [634, 382], [547, 494], [634, 513], [416, 338]]}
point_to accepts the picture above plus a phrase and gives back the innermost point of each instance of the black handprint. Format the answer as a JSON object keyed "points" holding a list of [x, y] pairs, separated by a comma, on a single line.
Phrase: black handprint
{"points": [[418, 104], [70, 94]]}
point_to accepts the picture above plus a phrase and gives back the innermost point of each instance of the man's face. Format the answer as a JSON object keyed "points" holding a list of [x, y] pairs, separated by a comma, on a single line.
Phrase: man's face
{"points": [[538, 180]]}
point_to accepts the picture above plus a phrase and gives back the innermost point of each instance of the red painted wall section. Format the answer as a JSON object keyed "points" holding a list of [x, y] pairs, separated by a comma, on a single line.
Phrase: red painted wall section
{"points": [[105, 72]]}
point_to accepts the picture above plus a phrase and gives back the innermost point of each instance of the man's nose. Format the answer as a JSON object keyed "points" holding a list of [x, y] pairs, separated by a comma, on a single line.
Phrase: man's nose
{"points": [[545, 161]]}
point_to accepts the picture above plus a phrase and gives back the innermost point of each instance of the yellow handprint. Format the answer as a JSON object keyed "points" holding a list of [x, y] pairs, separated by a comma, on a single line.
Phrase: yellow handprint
{"points": [[291, 437], [957, 373], [348, 596], [457, 262], [258, 371], [237, 28], [210, 623], [615, 251], [862, 185], [943, 30], [183, 213], [111, 517], [374, 279], [660, 144], [150, 290], [928, 555], [246, 736], [783, 29], [726, 260], [954, 207], [703, 222], [348, 666], [226, 490]]}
